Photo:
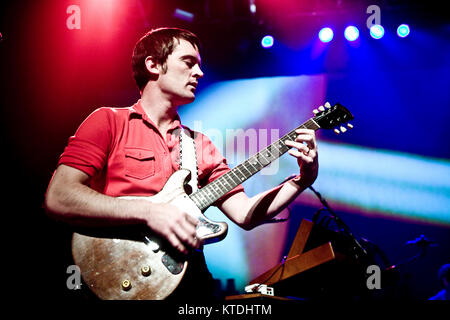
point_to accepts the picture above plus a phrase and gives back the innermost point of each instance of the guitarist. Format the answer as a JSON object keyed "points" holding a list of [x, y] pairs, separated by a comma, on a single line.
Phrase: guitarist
{"points": [[133, 151]]}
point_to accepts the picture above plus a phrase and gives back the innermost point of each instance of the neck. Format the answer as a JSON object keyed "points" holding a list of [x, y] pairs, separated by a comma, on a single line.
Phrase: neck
{"points": [[160, 110]]}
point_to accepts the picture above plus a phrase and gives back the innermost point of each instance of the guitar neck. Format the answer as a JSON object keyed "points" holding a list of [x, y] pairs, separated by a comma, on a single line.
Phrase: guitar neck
{"points": [[209, 194]]}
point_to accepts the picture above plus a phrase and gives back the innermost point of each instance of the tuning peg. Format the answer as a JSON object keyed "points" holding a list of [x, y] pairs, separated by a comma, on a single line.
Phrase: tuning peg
{"points": [[349, 125], [321, 108], [343, 129], [315, 111], [336, 131], [327, 105]]}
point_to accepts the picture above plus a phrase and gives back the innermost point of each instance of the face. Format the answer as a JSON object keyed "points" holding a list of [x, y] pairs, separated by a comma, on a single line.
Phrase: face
{"points": [[180, 80]]}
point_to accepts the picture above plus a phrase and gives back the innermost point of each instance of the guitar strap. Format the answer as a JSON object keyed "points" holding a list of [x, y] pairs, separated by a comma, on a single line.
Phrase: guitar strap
{"points": [[188, 157]]}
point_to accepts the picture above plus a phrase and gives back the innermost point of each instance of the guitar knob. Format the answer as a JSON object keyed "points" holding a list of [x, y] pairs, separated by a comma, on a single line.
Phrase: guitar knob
{"points": [[343, 129], [336, 131], [321, 108], [126, 285], [146, 271], [327, 105], [315, 111], [349, 125]]}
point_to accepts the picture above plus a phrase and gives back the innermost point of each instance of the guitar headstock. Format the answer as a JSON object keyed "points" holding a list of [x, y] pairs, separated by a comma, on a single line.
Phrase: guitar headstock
{"points": [[329, 117]]}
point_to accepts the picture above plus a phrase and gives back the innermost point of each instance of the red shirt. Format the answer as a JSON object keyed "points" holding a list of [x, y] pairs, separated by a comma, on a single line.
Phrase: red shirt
{"points": [[124, 153]]}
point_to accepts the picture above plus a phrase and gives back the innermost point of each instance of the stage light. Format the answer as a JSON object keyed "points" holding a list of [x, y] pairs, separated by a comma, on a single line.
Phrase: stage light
{"points": [[403, 30], [252, 6], [326, 34], [351, 33], [183, 15], [377, 31], [267, 41]]}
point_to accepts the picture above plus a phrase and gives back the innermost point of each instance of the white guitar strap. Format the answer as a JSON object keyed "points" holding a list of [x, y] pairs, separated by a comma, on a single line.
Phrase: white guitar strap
{"points": [[188, 157]]}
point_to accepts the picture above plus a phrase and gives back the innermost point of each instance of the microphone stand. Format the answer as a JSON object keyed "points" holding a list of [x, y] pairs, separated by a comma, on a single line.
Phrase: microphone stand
{"points": [[338, 221], [422, 243]]}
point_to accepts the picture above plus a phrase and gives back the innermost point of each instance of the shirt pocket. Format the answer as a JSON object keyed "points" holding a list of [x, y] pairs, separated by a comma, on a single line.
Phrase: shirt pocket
{"points": [[139, 162]]}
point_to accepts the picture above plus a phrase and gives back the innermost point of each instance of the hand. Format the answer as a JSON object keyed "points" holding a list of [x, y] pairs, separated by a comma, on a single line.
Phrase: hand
{"points": [[176, 226], [305, 150]]}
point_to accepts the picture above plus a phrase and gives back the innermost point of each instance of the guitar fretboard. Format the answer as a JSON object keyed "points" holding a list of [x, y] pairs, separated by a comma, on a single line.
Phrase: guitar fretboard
{"points": [[209, 194]]}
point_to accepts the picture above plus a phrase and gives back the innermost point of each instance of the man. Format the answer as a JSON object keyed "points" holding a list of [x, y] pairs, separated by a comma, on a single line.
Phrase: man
{"points": [[133, 151]]}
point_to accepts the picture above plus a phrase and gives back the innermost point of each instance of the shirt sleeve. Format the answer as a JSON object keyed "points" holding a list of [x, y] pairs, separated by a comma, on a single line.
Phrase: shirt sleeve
{"points": [[87, 150], [212, 165]]}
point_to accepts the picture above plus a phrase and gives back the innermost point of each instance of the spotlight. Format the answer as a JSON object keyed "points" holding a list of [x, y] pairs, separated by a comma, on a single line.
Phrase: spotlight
{"points": [[326, 34], [403, 30], [351, 33], [183, 15], [377, 31], [252, 6], [267, 41]]}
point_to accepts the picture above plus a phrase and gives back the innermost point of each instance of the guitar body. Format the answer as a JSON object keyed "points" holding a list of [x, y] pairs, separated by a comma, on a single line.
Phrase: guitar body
{"points": [[140, 266]]}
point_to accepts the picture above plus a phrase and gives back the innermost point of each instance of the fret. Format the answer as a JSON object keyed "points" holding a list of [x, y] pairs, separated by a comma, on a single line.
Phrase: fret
{"points": [[209, 188], [201, 199], [238, 171], [224, 179], [253, 161], [272, 153], [233, 179], [260, 156], [282, 147], [194, 198], [204, 196], [222, 182], [291, 135], [208, 193], [232, 172], [249, 167], [228, 180], [267, 154], [220, 190], [242, 168]]}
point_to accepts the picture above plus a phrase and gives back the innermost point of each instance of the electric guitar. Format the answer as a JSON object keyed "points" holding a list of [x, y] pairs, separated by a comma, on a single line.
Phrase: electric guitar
{"points": [[127, 263]]}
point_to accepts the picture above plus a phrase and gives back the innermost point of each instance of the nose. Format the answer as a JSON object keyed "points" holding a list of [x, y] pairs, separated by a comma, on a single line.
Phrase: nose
{"points": [[198, 73]]}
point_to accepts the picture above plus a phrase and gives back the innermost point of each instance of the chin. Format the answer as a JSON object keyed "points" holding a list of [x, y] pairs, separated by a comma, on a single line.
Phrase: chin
{"points": [[186, 100]]}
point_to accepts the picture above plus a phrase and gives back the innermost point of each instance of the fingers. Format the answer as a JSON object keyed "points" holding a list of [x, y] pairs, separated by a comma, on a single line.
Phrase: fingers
{"points": [[186, 232], [301, 156], [299, 146], [305, 147], [176, 243], [182, 233], [173, 224], [308, 136]]}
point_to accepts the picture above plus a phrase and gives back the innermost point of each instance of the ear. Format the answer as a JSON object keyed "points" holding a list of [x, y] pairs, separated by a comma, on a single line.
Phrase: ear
{"points": [[152, 66]]}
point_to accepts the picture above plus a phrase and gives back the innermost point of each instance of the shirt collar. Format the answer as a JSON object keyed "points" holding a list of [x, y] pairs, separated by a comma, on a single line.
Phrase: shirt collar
{"points": [[139, 110]]}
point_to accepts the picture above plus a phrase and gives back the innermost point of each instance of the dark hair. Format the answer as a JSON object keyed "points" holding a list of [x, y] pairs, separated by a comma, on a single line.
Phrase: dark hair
{"points": [[158, 43]]}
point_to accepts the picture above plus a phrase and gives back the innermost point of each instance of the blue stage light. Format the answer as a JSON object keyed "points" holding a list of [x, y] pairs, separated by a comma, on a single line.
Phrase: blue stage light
{"points": [[403, 30], [377, 31], [326, 34], [267, 41], [351, 33]]}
